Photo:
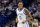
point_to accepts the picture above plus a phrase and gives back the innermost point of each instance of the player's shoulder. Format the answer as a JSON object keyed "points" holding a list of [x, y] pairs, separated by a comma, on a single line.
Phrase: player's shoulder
{"points": [[17, 9], [26, 9]]}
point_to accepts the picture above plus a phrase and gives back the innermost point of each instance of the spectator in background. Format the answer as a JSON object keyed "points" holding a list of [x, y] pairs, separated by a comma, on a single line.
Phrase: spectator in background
{"points": [[9, 8], [38, 9], [0, 9], [38, 0], [11, 25], [9, 12], [4, 1], [38, 18], [14, 1], [14, 24], [2, 5], [0, 0], [29, 9], [37, 14], [11, 4], [34, 11], [6, 26], [33, 8], [3, 10], [15, 5], [19, 0], [7, 1], [35, 21]]}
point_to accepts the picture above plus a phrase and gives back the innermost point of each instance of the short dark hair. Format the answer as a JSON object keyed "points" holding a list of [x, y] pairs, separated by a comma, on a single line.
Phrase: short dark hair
{"points": [[19, 1]]}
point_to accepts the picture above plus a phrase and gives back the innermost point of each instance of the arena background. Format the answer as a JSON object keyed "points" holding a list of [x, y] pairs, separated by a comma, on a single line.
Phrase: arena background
{"points": [[8, 14]]}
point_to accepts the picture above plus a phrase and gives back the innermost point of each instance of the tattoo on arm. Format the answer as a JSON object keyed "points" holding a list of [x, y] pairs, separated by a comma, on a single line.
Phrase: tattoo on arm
{"points": [[27, 12]]}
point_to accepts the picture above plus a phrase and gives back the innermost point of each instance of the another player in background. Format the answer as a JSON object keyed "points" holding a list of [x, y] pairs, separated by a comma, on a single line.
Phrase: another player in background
{"points": [[22, 13]]}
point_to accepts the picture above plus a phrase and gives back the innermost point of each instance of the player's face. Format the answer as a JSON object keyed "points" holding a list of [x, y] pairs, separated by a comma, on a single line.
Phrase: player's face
{"points": [[20, 5]]}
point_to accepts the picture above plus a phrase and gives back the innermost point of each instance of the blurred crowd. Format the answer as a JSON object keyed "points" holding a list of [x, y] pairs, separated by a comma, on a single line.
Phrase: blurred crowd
{"points": [[7, 11], [34, 10]]}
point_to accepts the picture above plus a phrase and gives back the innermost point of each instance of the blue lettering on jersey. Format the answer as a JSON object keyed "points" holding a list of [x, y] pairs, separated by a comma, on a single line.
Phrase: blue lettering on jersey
{"points": [[20, 17], [20, 14]]}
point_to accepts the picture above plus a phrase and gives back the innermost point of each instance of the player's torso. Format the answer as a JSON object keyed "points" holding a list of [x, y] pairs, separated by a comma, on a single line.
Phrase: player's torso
{"points": [[21, 15]]}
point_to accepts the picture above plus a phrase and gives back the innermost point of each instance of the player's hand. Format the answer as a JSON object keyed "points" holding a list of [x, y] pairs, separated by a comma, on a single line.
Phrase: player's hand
{"points": [[16, 21], [24, 22]]}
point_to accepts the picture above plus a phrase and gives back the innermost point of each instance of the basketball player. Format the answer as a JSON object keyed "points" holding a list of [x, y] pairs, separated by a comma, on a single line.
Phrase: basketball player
{"points": [[22, 13]]}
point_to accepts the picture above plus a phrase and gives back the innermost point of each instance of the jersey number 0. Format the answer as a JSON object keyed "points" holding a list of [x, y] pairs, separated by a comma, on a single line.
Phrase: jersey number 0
{"points": [[20, 17]]}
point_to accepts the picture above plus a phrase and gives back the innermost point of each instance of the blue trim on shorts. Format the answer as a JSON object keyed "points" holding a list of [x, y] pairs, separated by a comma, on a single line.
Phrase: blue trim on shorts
{"points": [[27, 24]]}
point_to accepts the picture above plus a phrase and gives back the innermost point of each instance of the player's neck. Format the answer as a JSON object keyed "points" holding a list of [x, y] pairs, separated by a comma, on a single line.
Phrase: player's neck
{"points": [[20, 9]]}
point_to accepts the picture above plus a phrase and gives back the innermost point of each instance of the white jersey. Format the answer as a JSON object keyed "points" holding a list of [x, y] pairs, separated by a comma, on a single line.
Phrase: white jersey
{"points": [[21, 15]]}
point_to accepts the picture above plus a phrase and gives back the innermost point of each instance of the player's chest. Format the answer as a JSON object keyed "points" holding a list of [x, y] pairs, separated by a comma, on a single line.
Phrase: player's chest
{"points": [[20, 13]]}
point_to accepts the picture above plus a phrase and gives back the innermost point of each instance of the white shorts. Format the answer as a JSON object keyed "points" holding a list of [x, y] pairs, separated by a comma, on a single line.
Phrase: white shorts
{"points": [[23, 25]]}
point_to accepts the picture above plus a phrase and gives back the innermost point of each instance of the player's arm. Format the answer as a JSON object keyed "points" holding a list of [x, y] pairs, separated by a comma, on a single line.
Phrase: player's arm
{"points": [[29, 15], [16, 19], [27, 12]]}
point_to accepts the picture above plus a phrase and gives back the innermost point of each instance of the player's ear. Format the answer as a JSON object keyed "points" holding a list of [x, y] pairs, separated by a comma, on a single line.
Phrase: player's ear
{"points": [[18, 4]]}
